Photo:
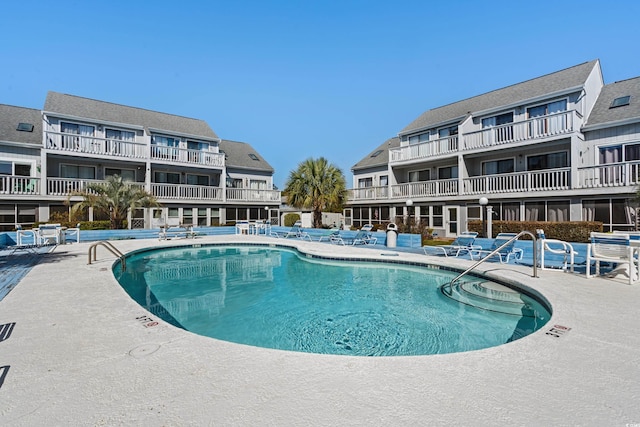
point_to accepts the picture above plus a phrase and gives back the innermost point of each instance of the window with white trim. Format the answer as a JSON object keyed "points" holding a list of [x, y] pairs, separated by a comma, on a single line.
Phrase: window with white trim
{"points": [[197, 179], [496, 167], [548, 161], [419, 176], [77, 171], [448, 172], [125, 174], [166, 177], [423, 137]]}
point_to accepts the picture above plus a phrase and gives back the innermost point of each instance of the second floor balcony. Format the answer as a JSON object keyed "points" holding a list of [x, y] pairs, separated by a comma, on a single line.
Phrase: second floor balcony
{"points": [[19, 185], [618, 175], [172, 192]]}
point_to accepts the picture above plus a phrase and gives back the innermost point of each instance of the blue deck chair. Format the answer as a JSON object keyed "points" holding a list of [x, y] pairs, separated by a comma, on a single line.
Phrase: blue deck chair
{"points": [[506, 252], [463, 244], [333, 232], [363, 237], [296, 232]]}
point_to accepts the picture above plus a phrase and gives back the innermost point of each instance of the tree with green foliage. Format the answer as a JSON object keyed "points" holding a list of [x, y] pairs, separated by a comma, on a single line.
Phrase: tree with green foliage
{"points": [[316, 185], [115, 198]]}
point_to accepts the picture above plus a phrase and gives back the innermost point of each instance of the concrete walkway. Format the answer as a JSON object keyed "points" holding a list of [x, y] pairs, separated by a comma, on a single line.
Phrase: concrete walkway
{"points": [[83, 353]]}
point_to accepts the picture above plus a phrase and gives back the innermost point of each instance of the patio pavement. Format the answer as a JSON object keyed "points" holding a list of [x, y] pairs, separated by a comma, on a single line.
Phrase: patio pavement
{"points": [[82, 353]]}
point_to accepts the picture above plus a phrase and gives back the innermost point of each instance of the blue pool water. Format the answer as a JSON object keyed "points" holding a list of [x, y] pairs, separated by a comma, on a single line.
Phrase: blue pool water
{"points": [[279, 298]]}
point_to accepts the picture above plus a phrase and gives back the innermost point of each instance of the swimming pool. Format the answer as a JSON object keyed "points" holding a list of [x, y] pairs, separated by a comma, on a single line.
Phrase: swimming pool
{"points": [[277, 297]]}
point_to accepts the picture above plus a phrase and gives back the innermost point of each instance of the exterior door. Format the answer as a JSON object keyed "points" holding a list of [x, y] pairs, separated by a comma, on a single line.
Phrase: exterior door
{"points": [[451, 220]]}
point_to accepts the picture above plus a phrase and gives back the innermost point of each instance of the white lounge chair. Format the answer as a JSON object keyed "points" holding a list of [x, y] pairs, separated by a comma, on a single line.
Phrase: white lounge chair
{"points": [[333, 232], [296, 232], [463, 244], [506, 246], [615, 248], [50, 234], [363, 237], [556, 247]]}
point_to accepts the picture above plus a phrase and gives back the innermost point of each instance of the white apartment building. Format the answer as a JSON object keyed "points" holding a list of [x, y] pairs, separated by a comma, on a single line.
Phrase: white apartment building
{"points": [[560, 147], [197, 177]]}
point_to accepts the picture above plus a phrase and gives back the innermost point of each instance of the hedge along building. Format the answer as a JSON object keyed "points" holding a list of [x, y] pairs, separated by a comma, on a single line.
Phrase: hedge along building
{"points": [[47, 155], [560, 147]]}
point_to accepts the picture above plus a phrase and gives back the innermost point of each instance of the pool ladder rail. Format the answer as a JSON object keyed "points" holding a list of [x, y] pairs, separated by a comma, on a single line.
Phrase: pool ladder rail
{"points": [[492, 253], [93, 249]]}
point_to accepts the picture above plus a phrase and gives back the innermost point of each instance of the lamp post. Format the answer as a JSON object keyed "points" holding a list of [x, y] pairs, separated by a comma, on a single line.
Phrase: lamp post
{"points": [[266, 210], [409, 203], [483, 203]]}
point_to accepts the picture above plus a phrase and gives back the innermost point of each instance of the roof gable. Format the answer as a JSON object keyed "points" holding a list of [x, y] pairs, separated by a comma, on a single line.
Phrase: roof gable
{"points": [[71, 105], [521, 92]]}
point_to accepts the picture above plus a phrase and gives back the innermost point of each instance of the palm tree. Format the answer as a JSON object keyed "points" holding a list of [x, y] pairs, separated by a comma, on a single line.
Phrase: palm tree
{"points": [[316, 185], [114, 197]]}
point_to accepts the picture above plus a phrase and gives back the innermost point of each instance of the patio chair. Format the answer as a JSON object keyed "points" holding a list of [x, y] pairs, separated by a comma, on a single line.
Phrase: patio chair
{"points": [[296, 232], [26, 237], [555, 247], [49, 234], [242, 227], [614, 248], [462, 244], [333, 232], [363, 237], [505, 247]]}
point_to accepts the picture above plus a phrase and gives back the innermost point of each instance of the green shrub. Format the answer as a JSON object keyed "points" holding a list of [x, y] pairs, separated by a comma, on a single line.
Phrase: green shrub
{"points": [[573, 231], [290, 219], [98, 225]]}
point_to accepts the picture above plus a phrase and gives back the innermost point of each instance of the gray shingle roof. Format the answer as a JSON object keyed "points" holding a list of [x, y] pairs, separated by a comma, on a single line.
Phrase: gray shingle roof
{"points": [[561, 80], [237, 155], [379, 160], [10, 116], [601, 113], [72, 105]]}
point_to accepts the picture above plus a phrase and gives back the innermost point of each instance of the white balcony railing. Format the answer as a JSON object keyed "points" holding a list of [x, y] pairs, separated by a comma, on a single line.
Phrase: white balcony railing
{"points": [[127, 149], [188, 156], [517, 182], [443, 187], [19, 185], [249, 195], [424, 149], [93, 145], [538, 127], [369, 193], [186, 192], [67, 186], [611, 175]]}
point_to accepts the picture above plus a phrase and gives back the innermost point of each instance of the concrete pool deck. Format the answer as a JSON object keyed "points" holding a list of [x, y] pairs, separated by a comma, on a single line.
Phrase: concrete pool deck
{"points": [[82, 353]]}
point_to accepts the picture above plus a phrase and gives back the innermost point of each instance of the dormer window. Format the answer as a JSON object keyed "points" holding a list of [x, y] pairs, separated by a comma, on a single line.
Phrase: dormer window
{"points": [[620, 102]]}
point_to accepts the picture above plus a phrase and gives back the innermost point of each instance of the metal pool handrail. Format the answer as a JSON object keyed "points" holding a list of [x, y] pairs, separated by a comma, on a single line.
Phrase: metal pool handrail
{"points": [[495, 251], [111, 249]]}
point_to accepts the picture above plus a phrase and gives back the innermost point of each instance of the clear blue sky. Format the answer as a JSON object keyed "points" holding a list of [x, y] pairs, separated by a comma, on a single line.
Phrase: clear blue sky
{"points": [[299, 79]]}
